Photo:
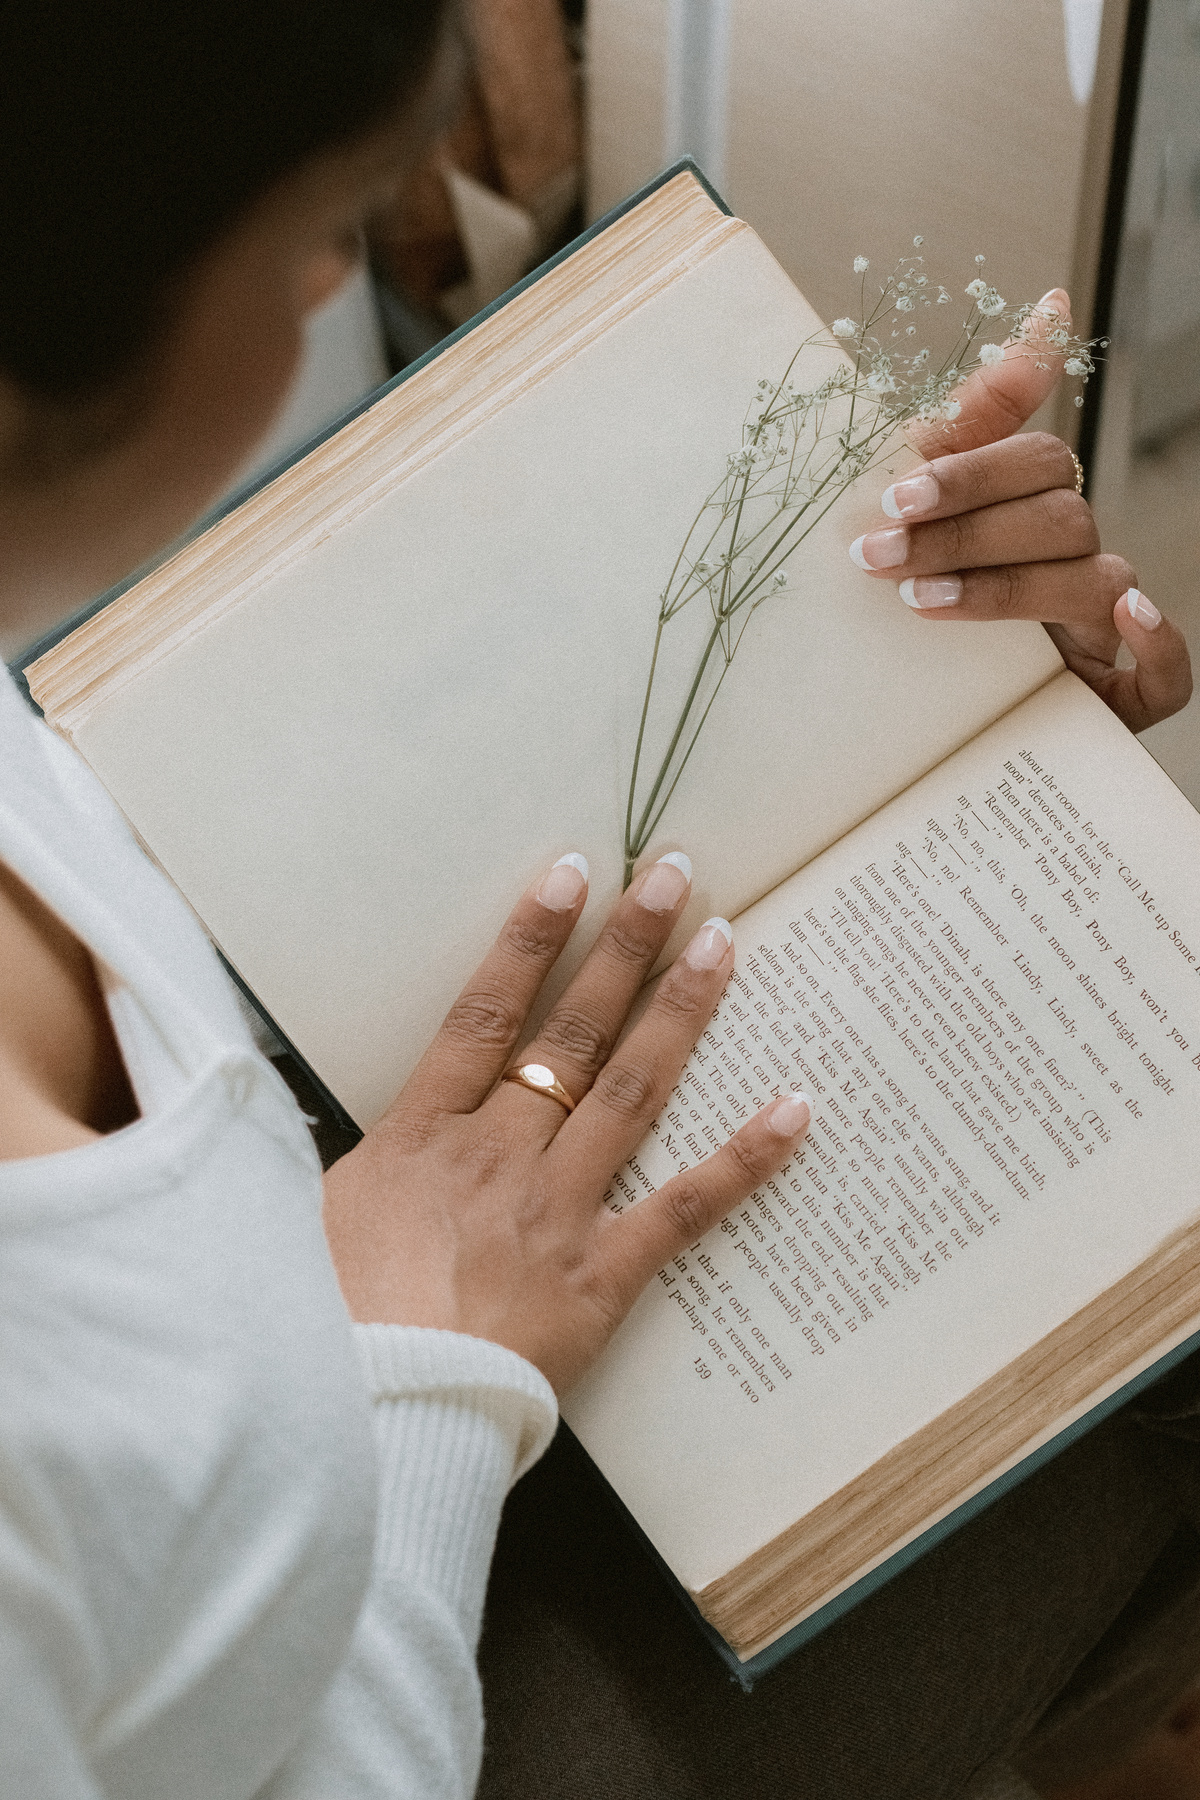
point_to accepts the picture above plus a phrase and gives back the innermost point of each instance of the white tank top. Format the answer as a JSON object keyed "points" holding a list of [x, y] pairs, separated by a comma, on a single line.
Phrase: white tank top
{"points": [[187, 1471]]}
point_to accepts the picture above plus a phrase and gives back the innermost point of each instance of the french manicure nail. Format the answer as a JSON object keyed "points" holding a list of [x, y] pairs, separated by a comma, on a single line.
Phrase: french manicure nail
{"points": [[884, 549], [710, 945], [790, 1115], [923, 591], [563, 884], [664, 883], [1141, 609], [915, 494]]}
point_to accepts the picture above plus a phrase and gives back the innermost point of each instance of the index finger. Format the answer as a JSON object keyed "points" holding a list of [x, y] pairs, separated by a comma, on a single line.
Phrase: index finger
{"points": [[477, 1036], [997, 400], [963, 482]]}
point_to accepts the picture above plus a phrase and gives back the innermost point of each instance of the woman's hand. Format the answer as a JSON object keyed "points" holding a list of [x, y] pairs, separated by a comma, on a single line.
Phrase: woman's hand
{"points": [[991, 528], [478, 1207]]}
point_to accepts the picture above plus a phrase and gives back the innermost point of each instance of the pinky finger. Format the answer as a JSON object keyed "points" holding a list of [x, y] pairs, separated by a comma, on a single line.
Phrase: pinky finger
{"points": [[690, 1204], [1161, 684]]}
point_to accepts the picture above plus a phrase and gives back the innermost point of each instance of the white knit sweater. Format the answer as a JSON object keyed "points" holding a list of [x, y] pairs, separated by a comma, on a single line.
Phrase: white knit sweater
{"points": [[223, 1572]]}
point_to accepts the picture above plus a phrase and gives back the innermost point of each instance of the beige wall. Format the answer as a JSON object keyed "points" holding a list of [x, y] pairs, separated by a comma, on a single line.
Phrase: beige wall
{"points": [[853, 125]]}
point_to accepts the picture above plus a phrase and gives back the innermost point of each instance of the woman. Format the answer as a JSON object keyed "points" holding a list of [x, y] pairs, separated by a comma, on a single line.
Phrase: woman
{"points": [[243, 1546]]}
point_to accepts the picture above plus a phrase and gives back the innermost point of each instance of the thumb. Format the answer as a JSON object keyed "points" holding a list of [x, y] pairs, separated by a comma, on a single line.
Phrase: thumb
{"points": [[998, 399]]}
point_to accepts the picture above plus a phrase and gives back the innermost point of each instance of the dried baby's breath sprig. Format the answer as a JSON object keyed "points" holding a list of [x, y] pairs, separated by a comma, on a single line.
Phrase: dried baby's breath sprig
{"points": [[799, 452]]}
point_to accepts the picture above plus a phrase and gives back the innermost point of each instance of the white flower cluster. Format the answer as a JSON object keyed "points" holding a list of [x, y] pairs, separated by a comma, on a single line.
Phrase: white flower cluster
{"points": [[989, 302], [798, 451]]}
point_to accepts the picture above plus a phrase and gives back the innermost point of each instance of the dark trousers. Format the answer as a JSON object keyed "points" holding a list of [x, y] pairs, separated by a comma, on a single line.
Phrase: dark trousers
{"points": [[1053, 1631]]}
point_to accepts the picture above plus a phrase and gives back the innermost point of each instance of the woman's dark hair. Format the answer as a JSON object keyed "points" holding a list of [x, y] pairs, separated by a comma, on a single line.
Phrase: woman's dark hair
{"points": [[134, 132]]}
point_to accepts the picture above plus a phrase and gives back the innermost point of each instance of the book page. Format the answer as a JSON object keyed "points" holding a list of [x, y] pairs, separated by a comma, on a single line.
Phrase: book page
{"points": [[353, 773], [992, 991]]}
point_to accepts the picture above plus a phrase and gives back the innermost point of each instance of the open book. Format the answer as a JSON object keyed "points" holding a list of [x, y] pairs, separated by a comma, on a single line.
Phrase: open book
{"points": [[357, 715]]}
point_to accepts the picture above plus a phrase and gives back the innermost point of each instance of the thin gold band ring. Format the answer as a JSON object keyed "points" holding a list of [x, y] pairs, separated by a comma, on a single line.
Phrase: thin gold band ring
{"points": [[1078, 471], [541, 1080]]}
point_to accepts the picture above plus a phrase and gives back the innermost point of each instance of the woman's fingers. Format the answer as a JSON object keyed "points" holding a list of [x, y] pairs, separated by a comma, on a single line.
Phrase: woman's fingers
{"points": [[1045, 526], [477, 1035], [580, 1031], [632, 1088], [1080, 592], [668, 1221], [1161, 683], [961, 483], [997, 400]]}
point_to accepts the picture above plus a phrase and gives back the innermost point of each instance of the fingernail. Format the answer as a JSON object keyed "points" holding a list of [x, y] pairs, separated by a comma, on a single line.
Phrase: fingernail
{"points": [[922, 591], [1052, 311], [915, 494], [884, 549], [563, 884], [1141, 609], [790, 1116], [664, 883], [710, 945]]}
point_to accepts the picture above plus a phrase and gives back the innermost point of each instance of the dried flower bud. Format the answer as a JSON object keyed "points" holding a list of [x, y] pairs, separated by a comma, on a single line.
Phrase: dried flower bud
{"points": [[990, 354], [843, 328]]}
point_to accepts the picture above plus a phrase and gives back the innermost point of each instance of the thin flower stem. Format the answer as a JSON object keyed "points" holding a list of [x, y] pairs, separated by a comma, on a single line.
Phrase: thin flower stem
{"points": [[635, 846], [797, 458], [653, 825], [637, 754]]}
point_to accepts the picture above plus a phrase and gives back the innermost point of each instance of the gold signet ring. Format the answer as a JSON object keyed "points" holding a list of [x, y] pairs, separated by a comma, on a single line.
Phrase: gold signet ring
{"points": [[541, 1080]]}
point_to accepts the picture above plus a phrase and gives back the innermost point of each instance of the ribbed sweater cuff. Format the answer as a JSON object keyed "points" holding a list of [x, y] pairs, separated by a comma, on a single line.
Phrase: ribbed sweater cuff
{"points": [[457, 1421]]}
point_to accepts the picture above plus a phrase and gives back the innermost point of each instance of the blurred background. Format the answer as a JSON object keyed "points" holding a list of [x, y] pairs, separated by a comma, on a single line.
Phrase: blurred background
{"points": [[1061, 138]]}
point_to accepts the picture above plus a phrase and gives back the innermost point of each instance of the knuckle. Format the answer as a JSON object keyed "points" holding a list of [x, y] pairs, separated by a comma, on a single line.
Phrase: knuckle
{"points": [[530, 941], [1043, 446], [604, 1299], [972, 479], [583, 1039], [688, 1204], [1002, 590], [628, 1091], [1116, 574], [750, 1160], [953, 540], [625, 946], [487, 1156], [1009, 409], [404, 1131], [1069, 518], [483, 1018], [680, 998]]}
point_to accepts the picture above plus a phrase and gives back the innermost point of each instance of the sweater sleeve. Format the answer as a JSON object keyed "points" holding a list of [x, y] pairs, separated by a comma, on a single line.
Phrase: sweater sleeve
{"points": [[457, 1421]]}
